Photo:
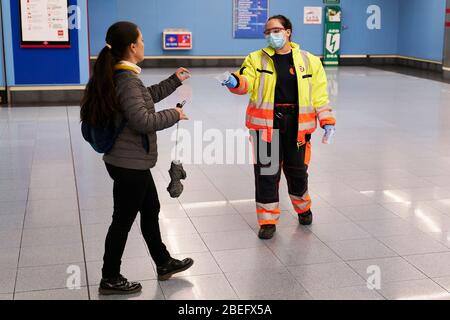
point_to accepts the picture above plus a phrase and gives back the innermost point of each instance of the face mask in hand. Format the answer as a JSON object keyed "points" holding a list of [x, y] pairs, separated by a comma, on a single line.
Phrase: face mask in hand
{"points": [[276, 40]]}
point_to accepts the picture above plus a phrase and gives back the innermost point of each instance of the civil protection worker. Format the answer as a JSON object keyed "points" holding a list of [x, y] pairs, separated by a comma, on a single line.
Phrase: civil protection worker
{"points": [[288, 96]]}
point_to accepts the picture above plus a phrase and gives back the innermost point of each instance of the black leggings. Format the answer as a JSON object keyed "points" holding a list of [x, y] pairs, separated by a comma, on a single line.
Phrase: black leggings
{"points": [[134, 190]]}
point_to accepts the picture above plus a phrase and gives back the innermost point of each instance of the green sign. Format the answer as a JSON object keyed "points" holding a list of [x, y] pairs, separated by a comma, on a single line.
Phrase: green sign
{"points": [[331, 1], [332, 45]]}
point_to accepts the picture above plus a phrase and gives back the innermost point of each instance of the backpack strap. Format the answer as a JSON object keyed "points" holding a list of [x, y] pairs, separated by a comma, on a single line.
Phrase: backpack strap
{"points": [[119, 71]]}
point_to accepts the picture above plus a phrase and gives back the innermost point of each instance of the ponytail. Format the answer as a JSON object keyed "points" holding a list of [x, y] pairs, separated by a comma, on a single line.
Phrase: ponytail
{"points": [[99, 103]]}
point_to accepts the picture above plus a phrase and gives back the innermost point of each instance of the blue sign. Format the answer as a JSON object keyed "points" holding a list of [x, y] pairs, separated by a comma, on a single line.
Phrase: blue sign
{"points": [[249, 18], [171, 41]]}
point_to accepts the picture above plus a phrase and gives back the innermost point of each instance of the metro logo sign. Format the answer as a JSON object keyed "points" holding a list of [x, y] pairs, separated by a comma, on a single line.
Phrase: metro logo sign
{"points": [[177, 40], [170, 39]]}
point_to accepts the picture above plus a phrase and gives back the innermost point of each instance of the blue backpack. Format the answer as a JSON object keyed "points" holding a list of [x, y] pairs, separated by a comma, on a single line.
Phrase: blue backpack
{"points": [[102, 139]]}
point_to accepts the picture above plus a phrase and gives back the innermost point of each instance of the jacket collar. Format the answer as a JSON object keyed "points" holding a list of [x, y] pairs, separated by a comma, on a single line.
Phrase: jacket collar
{"points": [[271, 51], [126, 65]]}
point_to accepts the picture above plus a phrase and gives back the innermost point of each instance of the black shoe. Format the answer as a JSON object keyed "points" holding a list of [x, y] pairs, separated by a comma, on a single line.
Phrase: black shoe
{"points": [[172, 267], [306, 218], [118, 285], [267, 231]]}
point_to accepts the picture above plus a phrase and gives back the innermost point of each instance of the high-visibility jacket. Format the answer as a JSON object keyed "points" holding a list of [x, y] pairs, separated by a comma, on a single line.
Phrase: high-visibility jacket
{"points": [[258, 77]]}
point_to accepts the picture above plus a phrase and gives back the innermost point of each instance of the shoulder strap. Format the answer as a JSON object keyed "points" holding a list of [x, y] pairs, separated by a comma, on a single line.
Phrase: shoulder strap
{"points": [[119, 71]]}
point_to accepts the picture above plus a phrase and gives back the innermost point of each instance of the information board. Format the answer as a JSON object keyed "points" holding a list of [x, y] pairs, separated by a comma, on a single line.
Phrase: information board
{"points": [[44, 23], [249, 18]]}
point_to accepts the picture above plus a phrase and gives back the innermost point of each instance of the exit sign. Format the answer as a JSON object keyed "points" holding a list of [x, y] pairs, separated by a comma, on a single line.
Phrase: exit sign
{"points": [[331, 1]]}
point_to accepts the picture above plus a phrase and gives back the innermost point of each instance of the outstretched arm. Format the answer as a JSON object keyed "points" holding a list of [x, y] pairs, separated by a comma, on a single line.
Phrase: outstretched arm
{"points": [[140, 118], [165, 88], [245, 78]]}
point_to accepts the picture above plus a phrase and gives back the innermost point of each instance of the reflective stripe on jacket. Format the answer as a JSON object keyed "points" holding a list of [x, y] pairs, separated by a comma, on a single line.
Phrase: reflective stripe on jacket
{"points": [[258, 78]]}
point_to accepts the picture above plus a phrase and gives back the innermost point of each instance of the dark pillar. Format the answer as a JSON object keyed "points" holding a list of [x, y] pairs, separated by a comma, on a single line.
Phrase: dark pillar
{"points": [[446, 65]]}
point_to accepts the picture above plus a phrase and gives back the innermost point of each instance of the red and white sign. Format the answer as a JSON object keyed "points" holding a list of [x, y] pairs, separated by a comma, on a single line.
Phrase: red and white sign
{"points": [[312, 15], [44, 21], [177, 39]]}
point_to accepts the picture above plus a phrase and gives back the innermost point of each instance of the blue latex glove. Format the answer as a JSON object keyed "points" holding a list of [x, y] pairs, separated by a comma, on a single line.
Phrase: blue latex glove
{"points": [[231, 82], [329, 132]]}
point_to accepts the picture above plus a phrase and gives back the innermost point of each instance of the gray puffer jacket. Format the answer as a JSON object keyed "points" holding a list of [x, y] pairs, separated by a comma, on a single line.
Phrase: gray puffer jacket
{"points": [[137, 105]]}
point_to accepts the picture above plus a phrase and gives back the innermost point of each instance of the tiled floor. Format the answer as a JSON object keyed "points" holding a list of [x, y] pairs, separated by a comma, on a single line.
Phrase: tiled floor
{"points": [[381, 198]]}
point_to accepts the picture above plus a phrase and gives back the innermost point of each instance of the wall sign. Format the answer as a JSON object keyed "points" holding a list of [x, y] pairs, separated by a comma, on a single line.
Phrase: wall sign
{"points": [[249, 18], [312, 15], [177, 39], [332, 35], [44, 24]]}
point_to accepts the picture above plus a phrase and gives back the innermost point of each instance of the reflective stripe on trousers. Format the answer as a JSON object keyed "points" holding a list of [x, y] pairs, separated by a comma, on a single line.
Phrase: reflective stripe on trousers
{"points": [[301, 204], [268, 213]]}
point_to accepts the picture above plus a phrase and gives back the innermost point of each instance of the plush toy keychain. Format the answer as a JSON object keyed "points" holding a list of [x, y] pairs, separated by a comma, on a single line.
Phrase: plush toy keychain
{"points": [[176, 171]]}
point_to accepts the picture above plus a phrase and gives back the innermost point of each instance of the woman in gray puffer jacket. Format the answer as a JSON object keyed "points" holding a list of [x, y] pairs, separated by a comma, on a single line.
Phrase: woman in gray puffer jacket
{"points": [[114, 93]]}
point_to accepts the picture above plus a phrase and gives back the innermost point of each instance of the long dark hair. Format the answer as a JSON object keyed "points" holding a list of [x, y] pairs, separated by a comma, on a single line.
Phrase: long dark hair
{"points": [[285, 22], [99, 104]]}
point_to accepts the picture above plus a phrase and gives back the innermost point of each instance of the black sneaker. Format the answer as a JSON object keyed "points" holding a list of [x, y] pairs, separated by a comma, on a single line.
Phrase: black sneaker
{"points": [[306, 218], [172, 267], [267, 231], [118, 285]]}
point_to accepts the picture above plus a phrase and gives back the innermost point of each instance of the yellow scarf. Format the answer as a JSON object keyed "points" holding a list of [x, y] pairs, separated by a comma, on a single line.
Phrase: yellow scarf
{"points": [[125, 65]]}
